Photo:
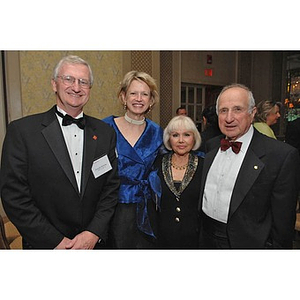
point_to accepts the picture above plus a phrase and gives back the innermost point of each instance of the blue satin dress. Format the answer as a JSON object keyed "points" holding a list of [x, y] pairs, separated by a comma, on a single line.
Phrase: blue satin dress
{"points": [[139, 180]]}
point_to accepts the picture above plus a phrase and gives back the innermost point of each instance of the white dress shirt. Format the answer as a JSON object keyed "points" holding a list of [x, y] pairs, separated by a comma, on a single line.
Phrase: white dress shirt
{"points": [[74, 139], [221, 179]]}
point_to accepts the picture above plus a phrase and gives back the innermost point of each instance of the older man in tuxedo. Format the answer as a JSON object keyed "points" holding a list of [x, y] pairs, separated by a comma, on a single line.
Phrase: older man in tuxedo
{"points": [[59, 177], [250, 182]]}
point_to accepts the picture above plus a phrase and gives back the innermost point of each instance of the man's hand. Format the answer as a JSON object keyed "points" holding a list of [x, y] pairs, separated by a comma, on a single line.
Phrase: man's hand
{"points": [[63, 243], [83, 240]]}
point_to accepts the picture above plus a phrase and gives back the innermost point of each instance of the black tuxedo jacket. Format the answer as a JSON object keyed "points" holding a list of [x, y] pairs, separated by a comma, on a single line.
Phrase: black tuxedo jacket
{"points": [[263, 203], [38, 186]]}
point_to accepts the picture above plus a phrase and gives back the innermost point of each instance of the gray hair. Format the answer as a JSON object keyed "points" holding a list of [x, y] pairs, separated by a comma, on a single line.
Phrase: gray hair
{"points": [[72, 60], [251, 99]]}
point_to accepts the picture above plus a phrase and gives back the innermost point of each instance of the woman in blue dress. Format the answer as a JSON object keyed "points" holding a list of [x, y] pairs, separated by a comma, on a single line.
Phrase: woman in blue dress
{"points": [[138, 142]]}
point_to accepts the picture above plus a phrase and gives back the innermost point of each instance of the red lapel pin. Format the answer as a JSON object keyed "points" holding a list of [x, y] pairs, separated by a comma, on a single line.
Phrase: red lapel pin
{"points": [[95, 137]]}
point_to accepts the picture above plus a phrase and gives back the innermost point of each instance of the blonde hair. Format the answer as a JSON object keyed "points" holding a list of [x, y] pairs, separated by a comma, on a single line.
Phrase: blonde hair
{"points": [[140, 76], [264, 108], [181, 122]]}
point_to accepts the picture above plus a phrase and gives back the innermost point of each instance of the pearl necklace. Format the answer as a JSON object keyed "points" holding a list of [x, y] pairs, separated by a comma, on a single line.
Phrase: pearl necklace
{"points": [[178, 167], [132, 121]]}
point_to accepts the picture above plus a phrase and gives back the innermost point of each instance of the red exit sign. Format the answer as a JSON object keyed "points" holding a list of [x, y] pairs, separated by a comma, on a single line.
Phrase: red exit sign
{"points": [[208, 72]]}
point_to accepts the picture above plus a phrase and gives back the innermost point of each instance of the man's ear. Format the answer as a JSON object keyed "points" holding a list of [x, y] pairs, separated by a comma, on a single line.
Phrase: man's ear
{"points": [[54, 87]]}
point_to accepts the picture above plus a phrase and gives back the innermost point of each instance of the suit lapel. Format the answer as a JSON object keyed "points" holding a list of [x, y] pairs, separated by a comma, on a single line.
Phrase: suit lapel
{"points": [[250, 170], [54, 137], [90, 145]]}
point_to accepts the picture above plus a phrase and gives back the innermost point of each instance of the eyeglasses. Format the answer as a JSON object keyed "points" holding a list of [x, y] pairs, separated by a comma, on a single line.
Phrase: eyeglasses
{"points": [[70, 80]]}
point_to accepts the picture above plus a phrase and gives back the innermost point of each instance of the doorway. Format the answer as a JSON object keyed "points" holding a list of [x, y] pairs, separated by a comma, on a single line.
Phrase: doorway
{"points": [[195, 97]]}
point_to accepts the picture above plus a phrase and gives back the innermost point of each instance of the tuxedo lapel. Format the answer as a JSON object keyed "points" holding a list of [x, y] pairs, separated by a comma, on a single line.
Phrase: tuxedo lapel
{"points": [[54, 137], [250, 170], [90, 145]]}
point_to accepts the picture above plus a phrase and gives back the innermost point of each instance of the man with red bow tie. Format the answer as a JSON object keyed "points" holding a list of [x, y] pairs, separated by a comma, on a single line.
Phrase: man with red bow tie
{"points": [[250, 183]]}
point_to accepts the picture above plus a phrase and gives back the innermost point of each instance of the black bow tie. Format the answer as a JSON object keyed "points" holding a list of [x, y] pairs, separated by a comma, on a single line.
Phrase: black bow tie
{"points": [[68, 120], [236, 146]]}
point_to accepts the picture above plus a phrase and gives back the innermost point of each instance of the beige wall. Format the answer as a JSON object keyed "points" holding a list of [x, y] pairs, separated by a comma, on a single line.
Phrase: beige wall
{"points": [[29, 79], [36, 69], [224, 67], [255, 69]]}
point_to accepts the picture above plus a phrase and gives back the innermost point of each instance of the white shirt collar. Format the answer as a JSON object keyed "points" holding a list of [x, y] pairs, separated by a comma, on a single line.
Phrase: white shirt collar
{"points": [[246, 139], [64, 113]]}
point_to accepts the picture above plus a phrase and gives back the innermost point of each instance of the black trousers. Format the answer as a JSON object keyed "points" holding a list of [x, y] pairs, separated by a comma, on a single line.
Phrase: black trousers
{"points": [[124, 233], [213, 234]]}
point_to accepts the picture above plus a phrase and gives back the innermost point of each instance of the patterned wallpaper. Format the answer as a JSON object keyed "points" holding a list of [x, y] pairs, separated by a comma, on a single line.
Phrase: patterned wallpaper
{"points": [[36, 70]]}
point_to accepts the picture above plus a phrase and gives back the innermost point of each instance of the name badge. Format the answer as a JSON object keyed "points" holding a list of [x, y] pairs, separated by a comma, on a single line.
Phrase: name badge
{"points": [[101, 166]]}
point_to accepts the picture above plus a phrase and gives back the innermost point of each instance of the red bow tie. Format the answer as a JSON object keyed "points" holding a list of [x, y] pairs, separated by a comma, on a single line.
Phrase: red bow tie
{"points": [[236, 146]]}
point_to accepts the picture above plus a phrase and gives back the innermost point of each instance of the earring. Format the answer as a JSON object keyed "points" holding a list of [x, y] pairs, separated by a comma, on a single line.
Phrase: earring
{"points": [[125, 106]]}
